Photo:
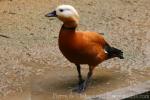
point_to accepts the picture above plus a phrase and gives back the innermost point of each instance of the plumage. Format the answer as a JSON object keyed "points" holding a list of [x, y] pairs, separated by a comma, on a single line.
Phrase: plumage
{"points": [[81, 47]]}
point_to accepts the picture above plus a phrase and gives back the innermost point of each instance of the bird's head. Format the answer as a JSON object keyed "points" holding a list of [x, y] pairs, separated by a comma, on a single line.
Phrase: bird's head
{"points": [[65, 13]]}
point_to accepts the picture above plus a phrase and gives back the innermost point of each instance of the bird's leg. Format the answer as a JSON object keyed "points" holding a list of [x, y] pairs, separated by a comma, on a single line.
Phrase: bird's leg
{"points": [[79, 74], [81, 81], [85, 84]]}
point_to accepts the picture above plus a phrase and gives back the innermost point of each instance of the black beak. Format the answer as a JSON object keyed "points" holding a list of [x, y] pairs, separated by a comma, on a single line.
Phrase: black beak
{"points": [[52, 14]]}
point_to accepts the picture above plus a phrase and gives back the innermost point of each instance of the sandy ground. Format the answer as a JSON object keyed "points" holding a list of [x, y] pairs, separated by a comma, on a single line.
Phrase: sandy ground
{"points": [[32, 66]]}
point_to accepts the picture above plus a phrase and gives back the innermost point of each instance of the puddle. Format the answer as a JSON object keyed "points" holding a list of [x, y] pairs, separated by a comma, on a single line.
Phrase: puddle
{"points": [[57, 83]]}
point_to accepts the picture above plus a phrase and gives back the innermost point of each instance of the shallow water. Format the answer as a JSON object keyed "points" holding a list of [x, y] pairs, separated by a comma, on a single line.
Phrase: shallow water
{"points": [[57, 84]]}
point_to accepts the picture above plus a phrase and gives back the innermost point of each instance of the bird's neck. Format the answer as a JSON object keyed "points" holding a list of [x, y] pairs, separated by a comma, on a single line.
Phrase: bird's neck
{"points": [[70, 25]]}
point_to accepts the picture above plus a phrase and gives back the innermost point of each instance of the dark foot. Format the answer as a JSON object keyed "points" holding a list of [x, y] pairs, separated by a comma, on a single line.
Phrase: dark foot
{"points": [[80, 88], [81, 82]]}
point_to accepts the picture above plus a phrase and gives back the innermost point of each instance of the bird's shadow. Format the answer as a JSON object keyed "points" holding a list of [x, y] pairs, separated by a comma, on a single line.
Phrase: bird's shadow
{"points": [[66, 83]]}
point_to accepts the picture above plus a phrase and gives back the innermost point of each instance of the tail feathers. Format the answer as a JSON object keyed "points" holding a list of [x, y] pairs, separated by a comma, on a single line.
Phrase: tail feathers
{"points": [[114, 52], [117, 53]]}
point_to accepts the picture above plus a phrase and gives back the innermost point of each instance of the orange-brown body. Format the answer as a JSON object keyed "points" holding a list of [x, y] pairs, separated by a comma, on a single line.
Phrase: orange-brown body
{"points": [[82, 47]]}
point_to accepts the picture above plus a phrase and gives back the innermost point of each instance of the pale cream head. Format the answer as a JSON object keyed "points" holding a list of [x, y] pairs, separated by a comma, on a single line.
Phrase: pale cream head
{"points": [[66, 13]]}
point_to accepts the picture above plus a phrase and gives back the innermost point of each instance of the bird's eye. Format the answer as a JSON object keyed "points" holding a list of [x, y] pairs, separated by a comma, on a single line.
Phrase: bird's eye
{"points": [[61, 10]]}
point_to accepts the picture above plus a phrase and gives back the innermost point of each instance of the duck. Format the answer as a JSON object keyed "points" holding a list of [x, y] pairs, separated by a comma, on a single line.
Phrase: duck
{"points": [[81, 47]]}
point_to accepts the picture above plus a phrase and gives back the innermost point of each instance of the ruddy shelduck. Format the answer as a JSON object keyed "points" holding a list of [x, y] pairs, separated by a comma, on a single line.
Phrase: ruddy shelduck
{"points": [[81, 47]]}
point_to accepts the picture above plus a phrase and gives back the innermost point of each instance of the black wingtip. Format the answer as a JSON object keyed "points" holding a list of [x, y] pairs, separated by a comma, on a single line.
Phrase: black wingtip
{"points": [[114, 52], [119, 54]]}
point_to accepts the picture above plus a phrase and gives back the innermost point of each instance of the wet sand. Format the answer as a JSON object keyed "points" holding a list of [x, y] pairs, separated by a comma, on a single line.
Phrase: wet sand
{"points": [[57, 84]]}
